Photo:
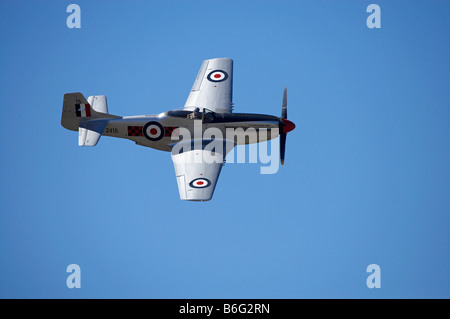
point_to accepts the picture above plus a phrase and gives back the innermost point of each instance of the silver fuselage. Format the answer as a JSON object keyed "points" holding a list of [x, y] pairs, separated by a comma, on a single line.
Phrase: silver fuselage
{"points": [[242, 128]]}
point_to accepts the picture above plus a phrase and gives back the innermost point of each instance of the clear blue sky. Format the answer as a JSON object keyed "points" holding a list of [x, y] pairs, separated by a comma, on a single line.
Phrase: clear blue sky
{"points": [[366, 179]]}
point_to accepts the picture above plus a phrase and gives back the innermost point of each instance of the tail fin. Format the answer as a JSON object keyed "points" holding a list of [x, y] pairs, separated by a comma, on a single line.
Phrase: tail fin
{"points": [[88, 117]]}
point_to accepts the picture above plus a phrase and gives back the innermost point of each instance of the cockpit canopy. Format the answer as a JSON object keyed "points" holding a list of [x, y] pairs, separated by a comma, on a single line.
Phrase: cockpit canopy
{"points": [[198, 113]]}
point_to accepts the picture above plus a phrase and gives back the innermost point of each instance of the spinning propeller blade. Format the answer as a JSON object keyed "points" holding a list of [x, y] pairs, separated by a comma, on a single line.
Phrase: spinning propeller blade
{"points": [[285, 126]]}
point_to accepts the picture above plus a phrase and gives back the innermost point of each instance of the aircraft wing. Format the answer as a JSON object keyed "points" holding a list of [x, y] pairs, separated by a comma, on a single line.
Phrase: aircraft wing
{"points": [[213, 87], [197, 172]]}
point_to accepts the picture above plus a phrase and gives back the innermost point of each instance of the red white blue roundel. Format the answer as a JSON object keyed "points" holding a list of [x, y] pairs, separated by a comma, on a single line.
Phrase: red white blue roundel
{"points": [[153, 131], [200, 183], [217, 76]]}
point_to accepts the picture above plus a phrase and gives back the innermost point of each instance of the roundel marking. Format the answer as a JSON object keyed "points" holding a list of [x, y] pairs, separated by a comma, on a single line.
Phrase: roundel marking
{"points": [[200, 183], [217, 76], [153, 131]]}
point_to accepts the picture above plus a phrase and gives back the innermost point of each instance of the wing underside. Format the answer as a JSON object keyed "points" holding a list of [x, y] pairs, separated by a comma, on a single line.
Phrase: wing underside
{"points": [[197, 167], [213, 87], [197, 172]]}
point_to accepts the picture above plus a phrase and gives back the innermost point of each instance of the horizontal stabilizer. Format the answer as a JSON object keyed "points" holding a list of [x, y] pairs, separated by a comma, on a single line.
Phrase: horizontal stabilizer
{"points": [[87, 137], [90, 132], [98, 103]]}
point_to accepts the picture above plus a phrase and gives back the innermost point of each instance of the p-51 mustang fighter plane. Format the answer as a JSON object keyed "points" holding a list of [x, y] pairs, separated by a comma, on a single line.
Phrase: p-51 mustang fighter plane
{"points": [[209, 104]]}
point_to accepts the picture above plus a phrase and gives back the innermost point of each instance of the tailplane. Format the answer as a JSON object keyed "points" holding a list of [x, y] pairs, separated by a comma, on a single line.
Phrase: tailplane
{"points": [[88, 117]]}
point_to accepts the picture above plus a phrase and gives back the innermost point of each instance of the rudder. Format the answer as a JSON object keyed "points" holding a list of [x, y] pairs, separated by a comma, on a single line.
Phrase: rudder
{"points": [[71, 113], [76, 108], [88, 117]]}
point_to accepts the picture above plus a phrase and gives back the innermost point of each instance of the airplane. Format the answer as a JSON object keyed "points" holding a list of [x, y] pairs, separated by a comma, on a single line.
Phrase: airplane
{"points": [[208, 106]]}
